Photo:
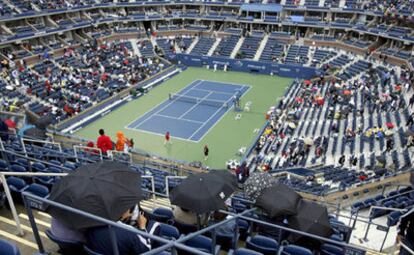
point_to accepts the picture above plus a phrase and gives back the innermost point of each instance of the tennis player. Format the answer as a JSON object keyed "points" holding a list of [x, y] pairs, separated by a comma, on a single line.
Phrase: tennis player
{"points": [[167, 138]]}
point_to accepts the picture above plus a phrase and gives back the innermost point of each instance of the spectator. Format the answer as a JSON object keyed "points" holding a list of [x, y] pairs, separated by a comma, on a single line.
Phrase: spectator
{"points": [[4, 131], [104, 142], [406, 232], [99, 238], [123, 143]]}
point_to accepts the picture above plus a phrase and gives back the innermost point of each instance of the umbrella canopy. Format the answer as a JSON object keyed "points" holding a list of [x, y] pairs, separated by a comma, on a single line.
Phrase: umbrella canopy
{"points": [[278, 200], [381, 159], [35, 133], [388, 133], [229, 178], [311, 218], [202, 193], [308, 141], [389, 125], [257, 182], [292, 125], [106, 189]]}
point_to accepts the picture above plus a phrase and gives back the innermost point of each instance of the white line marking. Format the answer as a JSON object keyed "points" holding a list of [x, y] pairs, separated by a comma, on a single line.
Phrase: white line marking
{"points": [[162, 135], [174, 118], [195, 105], [172, 101], [224, 114]]}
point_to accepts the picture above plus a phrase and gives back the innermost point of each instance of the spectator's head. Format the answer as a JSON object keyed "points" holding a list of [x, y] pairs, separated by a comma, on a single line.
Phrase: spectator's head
{"points": [[101, 132]]}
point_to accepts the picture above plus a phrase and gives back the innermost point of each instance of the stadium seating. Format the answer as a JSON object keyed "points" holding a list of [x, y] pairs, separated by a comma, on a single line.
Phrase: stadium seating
{"points": [[7, 248]]}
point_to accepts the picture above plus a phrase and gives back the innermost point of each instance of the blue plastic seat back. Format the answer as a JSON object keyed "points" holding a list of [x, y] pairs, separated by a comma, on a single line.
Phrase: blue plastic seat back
{"points": [[7, 248], [38, 190], [201, 242], [262, 244], [244, 251], [66, 247], [16, 183], [169, 232], [295, 250], [329, 249]]}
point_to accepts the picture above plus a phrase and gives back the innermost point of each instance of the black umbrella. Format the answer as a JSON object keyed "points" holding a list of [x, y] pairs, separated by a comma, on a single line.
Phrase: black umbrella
{"points": [[256, 183], [35, 133], [229, 178], [106, 189], [278, 200], [311, 218], [381, 159], [202, 193]]}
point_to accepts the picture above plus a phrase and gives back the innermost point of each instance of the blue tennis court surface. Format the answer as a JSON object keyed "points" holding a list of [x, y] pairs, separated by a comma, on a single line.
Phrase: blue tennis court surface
{"points": [[190, 115]]}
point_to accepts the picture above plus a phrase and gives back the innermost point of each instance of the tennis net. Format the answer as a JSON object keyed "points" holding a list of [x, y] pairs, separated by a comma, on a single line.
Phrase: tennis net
{"points": [[197, 100]]}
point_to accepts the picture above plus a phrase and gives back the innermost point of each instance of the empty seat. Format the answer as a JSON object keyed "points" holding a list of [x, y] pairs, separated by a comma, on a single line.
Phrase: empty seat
{"points": [[162, 214], [295, 250], [38, 190], [329, 249], [262, 244], [244, 251], [8, 248], [204, 244]]}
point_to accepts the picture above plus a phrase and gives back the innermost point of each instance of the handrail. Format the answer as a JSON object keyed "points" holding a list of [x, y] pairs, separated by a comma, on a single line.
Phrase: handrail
{"points": [[10, 200], [179, 243]]}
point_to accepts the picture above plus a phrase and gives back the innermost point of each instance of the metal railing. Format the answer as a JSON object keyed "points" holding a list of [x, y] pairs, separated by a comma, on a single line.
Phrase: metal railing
{"points": [[10, 200], [172, 245]]}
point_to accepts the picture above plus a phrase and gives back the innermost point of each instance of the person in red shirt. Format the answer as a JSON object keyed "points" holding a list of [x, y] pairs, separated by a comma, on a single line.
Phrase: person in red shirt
{"points": [[167, 138], [104, 142]]}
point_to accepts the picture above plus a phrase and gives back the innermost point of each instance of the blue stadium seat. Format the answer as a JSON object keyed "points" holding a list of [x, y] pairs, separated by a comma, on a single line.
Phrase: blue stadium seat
{"points": [[7, 248], [168, 232], [184, 228], [162, 214], [243, 251], [295, 250], [66, 247], [16, 186], [329, 249], [204, 244], [262, 244], [37, 189], [3, 165]]}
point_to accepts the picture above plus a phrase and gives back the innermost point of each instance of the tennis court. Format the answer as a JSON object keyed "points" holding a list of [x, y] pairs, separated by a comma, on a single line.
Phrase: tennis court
{"points": [[192, 112]]}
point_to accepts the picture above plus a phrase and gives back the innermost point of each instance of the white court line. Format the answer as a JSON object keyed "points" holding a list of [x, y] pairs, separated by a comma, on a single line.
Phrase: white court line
{"points": [[174, 118], [197, 82], [172, 101], [158, 134], [218, 110], [194, 106], [215, 92], [222, 116]]}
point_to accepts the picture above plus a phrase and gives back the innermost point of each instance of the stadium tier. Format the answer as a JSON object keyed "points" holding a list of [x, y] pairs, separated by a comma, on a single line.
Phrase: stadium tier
{"points": [[206, 127]]}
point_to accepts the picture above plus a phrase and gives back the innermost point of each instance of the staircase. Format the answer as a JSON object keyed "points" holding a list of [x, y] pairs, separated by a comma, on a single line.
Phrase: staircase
{"points": [[26, 243], [237, 47], [192, 45], [135, 47], [261, 47], [213, 48]]}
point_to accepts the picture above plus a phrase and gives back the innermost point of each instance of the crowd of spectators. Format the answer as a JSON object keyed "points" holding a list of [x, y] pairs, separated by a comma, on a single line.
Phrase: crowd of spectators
{"points": [[82, 77]]}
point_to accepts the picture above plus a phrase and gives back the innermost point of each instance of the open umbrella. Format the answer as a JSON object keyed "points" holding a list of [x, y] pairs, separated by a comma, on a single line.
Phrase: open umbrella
{"points": [[311, 218], [308, 141], [229, 178], [106, 189], [381, 159], [35, 133], [257, 182], [292, 125], [278, 200], [202, 193], [389, 125]]}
